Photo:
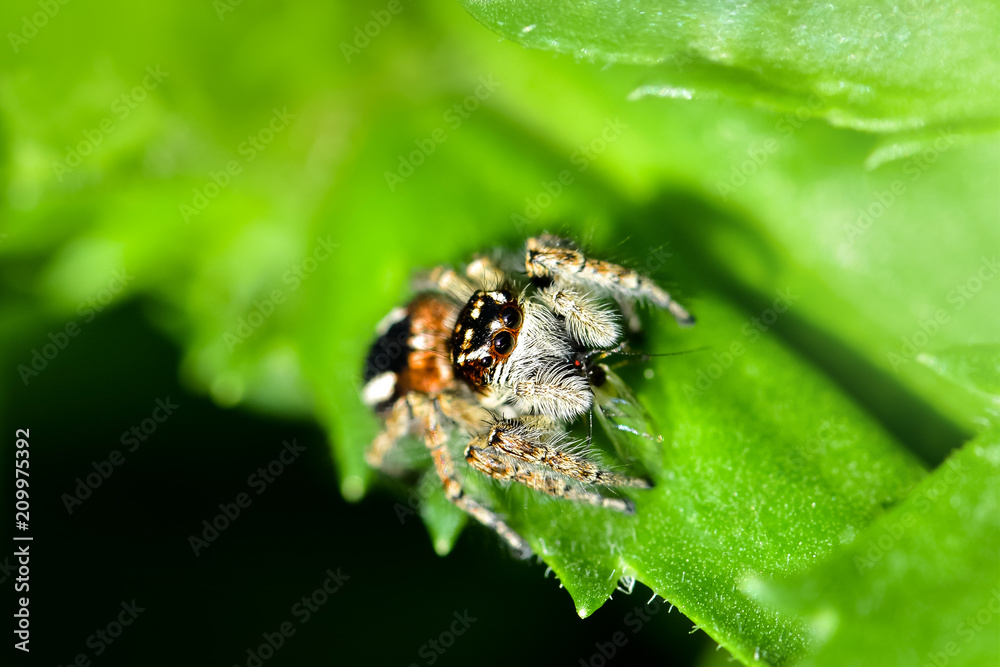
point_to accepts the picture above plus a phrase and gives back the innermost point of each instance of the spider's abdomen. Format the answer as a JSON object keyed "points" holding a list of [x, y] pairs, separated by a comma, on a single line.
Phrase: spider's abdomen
{"points": [[411, 355], [485, 335]]}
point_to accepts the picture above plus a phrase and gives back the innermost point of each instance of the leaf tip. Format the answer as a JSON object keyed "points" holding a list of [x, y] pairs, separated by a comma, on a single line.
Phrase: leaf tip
{"points": [[442, 546], [352, 488]]}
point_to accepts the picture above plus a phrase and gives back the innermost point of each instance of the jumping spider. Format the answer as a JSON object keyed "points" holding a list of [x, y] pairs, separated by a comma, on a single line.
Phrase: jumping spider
{"points": [[511, 368]]}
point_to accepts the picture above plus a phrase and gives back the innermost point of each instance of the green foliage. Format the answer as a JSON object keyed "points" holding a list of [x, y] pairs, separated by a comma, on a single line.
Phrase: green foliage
{"points": [[860, 65], [834, 230], [976, 367], [940, 544]]}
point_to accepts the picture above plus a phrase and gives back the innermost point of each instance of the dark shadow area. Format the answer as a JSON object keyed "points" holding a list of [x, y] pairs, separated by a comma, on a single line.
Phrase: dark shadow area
{"points": [[130, 540]]}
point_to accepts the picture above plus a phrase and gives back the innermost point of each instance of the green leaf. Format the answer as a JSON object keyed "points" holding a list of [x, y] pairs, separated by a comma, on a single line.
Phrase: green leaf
{"points": [[860, 65], [973, 366], [921, 585], [444, 521]]}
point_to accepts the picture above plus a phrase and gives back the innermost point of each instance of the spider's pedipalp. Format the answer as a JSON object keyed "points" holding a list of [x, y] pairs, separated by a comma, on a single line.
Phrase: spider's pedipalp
{"points": [[590, 323], [558, 391]]}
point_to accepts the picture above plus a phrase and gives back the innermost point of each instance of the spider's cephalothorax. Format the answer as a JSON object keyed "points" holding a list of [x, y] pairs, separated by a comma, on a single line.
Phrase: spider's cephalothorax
{"points": [[485, 335], [511, 364]]}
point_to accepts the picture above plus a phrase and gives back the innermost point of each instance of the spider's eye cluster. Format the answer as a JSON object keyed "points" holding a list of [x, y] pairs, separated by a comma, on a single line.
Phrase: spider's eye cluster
{"points": [[485, 334], [511, 316], [503, 342]]}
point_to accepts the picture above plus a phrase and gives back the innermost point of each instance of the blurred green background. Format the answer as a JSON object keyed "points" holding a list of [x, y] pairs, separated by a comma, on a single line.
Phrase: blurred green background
{"points": [[217, 202]]}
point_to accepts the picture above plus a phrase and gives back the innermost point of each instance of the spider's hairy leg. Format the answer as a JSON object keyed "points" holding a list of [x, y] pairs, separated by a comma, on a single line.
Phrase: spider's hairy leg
{"points": [[397, 423], [444, 464], [589, 322], [487, 459], [449, 281], [629, 314], [486, 273], [537, 440], [559, 260], [480, 273]]}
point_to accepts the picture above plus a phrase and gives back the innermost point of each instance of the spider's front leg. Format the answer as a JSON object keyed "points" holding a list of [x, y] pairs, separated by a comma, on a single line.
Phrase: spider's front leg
{"points": [[480, 273], [530, 451], [556, 259], [444, 465]]}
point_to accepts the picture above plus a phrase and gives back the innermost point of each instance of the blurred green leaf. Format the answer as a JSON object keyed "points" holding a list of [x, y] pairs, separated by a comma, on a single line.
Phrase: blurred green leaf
{"points": [[444, 521], [859, 65], [925, 574], [973, 366]]}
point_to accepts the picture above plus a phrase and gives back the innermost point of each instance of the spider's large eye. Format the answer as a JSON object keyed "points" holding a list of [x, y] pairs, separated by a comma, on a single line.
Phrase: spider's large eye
{"points": [[503, 342], [511, 317]]}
